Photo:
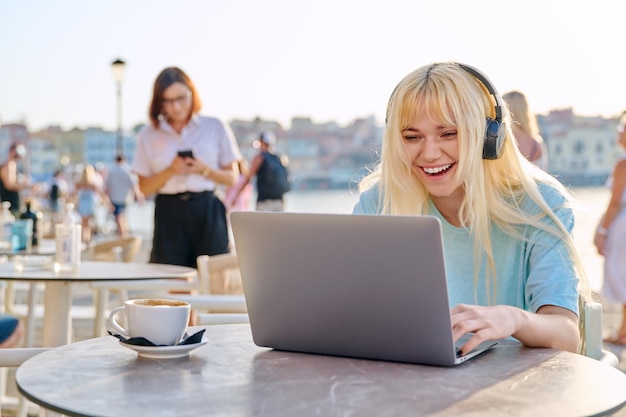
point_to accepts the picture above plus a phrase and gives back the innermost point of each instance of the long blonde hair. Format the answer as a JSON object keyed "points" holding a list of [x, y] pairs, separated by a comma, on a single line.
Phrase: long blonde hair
{"points": [[493, 189], [87, 177], [523, 119]]}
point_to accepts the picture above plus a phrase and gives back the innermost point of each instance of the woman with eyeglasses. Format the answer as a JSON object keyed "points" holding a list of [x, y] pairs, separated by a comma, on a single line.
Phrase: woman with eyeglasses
{"points": [[182, 157], [610, 238], [448, 151]]}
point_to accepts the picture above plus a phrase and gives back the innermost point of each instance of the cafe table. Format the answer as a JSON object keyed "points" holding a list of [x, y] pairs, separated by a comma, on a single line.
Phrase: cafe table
{"points": [[58, 287], [231, 376], [45, 247]]}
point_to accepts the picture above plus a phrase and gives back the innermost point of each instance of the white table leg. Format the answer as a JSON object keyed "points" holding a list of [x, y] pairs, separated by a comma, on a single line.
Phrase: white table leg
{"points": [[57, 322], [29, 337]]}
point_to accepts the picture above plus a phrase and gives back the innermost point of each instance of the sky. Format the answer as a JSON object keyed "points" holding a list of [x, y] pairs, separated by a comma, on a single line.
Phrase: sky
{"points": [[330, 60]]}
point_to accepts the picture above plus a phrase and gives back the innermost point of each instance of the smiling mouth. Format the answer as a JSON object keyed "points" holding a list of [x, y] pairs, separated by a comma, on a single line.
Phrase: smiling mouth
{"points": [[437, 171]]}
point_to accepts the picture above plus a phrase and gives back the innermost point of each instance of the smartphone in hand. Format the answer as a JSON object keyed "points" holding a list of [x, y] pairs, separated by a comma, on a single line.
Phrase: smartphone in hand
{"points": [[187, 153]]}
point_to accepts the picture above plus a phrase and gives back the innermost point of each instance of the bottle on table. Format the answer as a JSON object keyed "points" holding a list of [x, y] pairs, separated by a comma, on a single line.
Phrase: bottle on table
{"points": [[68, 235], [35, 216], [6, 225], [22, 235]]}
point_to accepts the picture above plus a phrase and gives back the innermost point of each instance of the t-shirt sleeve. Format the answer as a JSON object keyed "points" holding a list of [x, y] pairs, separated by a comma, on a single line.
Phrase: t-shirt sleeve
{"points": [[552, 278], [368, 202]]}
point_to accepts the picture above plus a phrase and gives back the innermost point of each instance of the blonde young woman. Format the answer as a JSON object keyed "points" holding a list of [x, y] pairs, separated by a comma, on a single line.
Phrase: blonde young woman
{"points": [[448, 151], [526, 130], [88, 196]]}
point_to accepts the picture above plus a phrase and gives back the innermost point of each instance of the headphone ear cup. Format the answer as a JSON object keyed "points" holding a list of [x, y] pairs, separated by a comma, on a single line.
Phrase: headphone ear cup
{"points": [[494, 139]]}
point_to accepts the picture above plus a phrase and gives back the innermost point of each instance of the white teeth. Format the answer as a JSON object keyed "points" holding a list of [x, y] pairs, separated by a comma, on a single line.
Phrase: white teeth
{"points": [[437, 169]]}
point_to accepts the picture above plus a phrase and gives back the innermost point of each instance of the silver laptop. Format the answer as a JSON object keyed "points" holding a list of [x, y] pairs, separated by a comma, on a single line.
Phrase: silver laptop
{"points": [[360, 286]]}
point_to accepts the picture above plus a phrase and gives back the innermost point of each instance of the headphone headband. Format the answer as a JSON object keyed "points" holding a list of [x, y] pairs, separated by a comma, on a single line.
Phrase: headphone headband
{"points": [[485, 81]]}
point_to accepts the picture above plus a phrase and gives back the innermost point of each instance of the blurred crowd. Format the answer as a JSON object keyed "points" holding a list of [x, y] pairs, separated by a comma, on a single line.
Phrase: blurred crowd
{"points": [[87, 186]]}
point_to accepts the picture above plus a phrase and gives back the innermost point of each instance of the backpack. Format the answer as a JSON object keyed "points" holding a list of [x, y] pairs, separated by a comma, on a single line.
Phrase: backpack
{"points": [[273, 178], [54, 192]]}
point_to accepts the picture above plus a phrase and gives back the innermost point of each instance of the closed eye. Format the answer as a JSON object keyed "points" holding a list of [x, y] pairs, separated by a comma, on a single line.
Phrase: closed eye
{"points": [[412, 138]]}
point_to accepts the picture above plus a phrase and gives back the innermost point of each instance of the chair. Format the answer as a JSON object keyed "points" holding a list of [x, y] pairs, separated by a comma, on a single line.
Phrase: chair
{"points": [[29, 312], [11, 358], [122, 249], [206, 293], [593, 335], [213, 277]]}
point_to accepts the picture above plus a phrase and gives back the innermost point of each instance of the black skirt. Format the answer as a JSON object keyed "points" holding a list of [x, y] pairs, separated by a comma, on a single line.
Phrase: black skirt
{"points": [[187, 225]]}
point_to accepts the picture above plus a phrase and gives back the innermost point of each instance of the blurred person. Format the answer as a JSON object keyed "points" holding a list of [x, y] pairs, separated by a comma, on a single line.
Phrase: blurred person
{"points": [[272, 175], [119, 187], [88, 196], [526, 130], [11, 331], [182, 157], [100, 174], [10, 182], [238, 196], [448, 151], [58, 191], [610, 238]]}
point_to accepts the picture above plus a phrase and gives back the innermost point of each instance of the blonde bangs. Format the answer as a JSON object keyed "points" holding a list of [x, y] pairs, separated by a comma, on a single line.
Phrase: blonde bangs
{"points": [[426, 99]]}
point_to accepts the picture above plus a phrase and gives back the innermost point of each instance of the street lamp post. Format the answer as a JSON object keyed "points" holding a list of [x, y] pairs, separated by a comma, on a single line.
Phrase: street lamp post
{"points": [[118, 67]]}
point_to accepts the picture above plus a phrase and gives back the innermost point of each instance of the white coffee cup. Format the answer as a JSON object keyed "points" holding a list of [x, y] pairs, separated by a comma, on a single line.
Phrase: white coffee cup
{"points": [[163, 322]]}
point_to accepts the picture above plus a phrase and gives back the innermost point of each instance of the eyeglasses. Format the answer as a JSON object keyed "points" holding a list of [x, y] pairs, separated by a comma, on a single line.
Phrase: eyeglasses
{"points": [[620, 128], [179, 99]]}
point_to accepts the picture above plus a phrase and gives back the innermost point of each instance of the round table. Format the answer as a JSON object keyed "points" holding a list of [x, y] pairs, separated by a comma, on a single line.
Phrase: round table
{"points": [[58, 294], [45, 247], [231, 376]]}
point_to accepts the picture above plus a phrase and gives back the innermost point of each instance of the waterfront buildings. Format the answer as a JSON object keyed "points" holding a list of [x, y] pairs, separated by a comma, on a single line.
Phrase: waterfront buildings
{"points": [[582, 150]]}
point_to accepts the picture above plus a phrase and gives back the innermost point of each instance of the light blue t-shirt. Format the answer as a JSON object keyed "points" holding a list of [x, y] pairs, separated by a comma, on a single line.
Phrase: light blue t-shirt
{"points": [[530, 273]]}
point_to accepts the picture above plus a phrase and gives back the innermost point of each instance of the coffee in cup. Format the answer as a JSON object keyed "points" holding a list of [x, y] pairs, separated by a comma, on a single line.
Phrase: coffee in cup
{"points": [[162, 322]]}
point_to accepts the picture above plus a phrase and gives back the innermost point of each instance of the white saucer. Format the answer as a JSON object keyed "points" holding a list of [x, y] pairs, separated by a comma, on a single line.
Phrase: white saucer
{"points": [[164, 352]]}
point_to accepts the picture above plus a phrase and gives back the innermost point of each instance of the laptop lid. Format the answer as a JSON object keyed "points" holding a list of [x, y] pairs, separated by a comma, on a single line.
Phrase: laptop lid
{"points": [[350, 285]]}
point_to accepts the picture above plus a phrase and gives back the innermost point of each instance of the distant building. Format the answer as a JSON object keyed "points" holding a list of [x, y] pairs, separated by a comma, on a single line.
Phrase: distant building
{"points": [[44, 159], [581, 150], [321, 155], [101, 146]]}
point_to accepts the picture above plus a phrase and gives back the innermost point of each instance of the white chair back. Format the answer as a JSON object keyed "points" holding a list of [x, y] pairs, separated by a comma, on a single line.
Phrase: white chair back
{"points": [[11, 358]]}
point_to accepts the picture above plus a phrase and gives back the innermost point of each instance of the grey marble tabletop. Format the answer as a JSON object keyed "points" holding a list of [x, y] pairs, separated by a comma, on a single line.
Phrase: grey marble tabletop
{"points": [[230, 376]]}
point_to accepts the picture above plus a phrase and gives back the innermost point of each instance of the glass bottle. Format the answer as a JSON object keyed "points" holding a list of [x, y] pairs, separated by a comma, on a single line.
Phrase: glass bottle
{"points": [[35, 216], [6, 221], [68, 241]]}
